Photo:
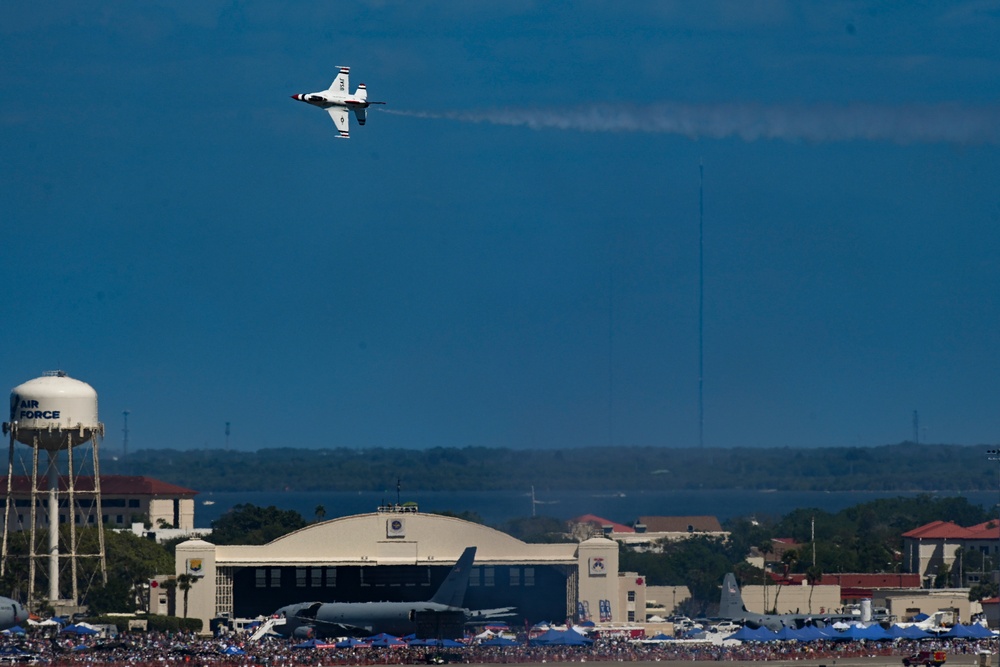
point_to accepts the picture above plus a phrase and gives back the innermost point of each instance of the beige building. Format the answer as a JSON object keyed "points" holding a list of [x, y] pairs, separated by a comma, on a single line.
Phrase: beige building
{"points": [[399, 554], [124, 501], [935, 546], [792, 599], [650, 532], [904, 605]]}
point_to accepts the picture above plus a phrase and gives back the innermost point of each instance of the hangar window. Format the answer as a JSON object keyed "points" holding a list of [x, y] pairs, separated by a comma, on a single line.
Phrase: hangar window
{"points": [[331, 577], [133, 502], [631, 596], [529, 576], [315, 577], [488, 576], [474, 576], [515, 576], [631, 616], [261, 577], [275, 577], [300, 577]]}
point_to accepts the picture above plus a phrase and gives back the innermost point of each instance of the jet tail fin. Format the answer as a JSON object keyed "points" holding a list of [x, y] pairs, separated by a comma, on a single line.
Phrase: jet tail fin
{"points": [[731, 603], [452, 590]]}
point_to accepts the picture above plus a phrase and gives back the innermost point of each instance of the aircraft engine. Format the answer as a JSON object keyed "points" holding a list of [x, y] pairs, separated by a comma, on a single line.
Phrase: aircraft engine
{"points": [[304, 632]]}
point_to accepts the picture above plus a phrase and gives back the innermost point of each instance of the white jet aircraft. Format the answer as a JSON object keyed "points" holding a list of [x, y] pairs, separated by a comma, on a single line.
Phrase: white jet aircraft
{"points": [[338, 102]]}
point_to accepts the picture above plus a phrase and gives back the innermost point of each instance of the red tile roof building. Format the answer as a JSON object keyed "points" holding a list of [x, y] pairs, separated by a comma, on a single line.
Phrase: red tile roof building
{"points": [[124, 501], [927, 548]]}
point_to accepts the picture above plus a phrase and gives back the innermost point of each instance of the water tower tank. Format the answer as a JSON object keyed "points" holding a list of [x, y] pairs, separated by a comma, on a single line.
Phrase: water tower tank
{"points": [[54, 411]]}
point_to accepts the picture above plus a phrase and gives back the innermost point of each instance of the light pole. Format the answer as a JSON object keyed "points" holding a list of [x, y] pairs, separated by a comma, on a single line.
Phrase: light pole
{"points": [[994, 455]]}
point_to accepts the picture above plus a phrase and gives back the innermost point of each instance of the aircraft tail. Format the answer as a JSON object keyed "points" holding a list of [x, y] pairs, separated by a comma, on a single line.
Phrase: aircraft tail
{"points": [[731, 603], [341, 84], [452, 590], [361, 93]]}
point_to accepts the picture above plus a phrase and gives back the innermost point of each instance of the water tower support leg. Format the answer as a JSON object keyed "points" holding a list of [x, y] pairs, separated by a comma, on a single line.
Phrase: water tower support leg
{"points": [[53, 475], [99, 520], [74, 548], [7, 502], [32, 547]]}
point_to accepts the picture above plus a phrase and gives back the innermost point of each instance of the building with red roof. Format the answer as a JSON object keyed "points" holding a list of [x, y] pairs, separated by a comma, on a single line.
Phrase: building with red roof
{"points": [[928, 548], [124, 500]]}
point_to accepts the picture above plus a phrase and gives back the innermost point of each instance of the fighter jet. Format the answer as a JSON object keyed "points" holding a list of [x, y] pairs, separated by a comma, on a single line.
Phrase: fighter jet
{"points": [[11, 613], [340, 619], [731, 607], [338, 102]]}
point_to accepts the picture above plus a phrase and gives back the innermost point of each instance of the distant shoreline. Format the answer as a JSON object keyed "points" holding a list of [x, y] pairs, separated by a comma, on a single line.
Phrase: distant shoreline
{"points": [[496, 507]]}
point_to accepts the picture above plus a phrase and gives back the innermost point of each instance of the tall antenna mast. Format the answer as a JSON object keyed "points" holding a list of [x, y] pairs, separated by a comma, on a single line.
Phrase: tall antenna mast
{"points": [[701, 304], [227, 436], [125, 438]]}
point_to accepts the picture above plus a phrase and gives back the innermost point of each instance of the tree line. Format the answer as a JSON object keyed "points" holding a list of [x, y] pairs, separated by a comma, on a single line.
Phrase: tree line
{"points": [[901, 467]]}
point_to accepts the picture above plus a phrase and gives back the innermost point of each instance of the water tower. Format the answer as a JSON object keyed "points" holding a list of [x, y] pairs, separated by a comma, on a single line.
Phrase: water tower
{"points": [[53, 414]]}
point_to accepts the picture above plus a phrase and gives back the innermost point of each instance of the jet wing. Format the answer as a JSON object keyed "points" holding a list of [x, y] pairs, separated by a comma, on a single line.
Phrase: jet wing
{"points": [[334, 629], [310, 616], [341, 118]]}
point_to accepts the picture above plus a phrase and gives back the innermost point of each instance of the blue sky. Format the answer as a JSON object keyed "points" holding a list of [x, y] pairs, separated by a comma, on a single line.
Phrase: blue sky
{"points": [[507, 255]]}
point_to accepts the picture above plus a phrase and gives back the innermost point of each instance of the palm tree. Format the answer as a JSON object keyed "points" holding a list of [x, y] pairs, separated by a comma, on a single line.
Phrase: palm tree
{"points": [[765, 548], [184, 583], [813, 575], [788, 559], [320, 513]]}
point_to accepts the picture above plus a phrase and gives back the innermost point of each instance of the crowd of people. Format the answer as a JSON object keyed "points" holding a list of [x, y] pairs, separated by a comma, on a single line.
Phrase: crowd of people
{"points": [[159, 650]]}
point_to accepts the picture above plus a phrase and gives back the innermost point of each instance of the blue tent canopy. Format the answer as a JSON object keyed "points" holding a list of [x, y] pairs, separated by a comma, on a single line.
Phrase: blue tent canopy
{"points": [[974, 631], [855, 632], [79, 630], [909, 632], [388, 641], [499, 641], [311, 643], [562, 638], [350, 642], [748, 634]]}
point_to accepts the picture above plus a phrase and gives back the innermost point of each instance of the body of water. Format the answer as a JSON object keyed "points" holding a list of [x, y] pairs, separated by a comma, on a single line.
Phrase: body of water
{"points": [[496, 507]]}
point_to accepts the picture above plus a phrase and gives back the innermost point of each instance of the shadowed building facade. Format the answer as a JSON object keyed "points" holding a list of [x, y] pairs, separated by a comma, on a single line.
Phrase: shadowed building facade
{"points": [[398, 554]]}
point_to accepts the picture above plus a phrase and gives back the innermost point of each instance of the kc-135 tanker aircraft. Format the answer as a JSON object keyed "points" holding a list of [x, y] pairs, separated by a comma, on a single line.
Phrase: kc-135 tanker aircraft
{"points": [[338, 102], [340, 619]]}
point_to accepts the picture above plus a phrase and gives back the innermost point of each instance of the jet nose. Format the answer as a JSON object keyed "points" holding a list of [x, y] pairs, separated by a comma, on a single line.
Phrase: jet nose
{"points": [[20, 613]]}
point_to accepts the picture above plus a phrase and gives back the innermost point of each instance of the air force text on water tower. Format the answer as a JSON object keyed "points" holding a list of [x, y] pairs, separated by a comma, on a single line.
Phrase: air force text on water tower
{"points": [[29, 409]]}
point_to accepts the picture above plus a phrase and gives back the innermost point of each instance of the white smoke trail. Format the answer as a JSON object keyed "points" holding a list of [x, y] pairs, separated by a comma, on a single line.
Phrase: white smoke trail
{"points": [[939, 123]]}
